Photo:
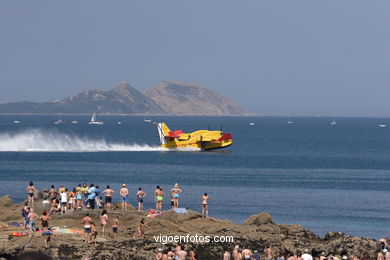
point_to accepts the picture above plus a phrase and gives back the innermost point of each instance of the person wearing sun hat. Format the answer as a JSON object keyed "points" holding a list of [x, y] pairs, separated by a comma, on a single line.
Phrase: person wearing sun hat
{"points": [[124, 192]]}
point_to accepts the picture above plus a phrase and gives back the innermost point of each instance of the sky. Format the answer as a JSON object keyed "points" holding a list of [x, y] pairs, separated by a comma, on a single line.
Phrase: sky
{"points": [[304, 57]]}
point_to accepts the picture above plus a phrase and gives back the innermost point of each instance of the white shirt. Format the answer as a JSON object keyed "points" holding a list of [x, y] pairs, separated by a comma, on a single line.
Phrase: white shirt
{"points": [[307, 257], [64, 198]]}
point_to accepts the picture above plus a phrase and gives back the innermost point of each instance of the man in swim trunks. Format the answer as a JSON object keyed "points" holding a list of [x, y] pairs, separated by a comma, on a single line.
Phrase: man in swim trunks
{"points": [[205, 207], [140, 197], [32, 216], [87, 227], [108, 199], [52, 193], [124, 192], [31, 191]]}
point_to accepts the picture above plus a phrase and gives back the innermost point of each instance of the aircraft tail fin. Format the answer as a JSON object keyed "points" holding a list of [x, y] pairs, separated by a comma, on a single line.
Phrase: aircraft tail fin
{"points": [[163, 131]]}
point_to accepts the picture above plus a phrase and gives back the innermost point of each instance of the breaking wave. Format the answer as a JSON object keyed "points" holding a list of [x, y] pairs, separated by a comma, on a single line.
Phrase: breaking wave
{"points": [[36, 140]]}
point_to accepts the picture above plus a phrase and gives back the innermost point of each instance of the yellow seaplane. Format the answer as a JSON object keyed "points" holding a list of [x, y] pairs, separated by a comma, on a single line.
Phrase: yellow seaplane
{"points": [[201, 139]]}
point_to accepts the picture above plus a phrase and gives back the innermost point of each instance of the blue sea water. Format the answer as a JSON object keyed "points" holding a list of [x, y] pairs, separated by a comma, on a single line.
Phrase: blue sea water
{"points": [[326, 178]]}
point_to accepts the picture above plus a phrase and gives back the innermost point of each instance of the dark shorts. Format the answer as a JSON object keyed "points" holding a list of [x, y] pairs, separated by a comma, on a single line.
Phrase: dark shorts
{"points": [[172, 202], [115, 229], [45, 224], [87, 229], [108, 199], [31, 194], [63, 203], [140, 200]]}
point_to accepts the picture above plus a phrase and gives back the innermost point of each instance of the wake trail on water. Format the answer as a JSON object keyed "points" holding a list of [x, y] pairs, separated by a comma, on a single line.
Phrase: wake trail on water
{"points": [[37, 140]]}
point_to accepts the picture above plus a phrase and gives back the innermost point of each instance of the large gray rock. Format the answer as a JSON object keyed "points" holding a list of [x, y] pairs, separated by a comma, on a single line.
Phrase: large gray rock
{"points": [[259, 219]]}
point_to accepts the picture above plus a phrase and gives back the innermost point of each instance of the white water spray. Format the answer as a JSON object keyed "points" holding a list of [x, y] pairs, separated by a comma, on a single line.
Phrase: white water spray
{"points": [[36, 140]]}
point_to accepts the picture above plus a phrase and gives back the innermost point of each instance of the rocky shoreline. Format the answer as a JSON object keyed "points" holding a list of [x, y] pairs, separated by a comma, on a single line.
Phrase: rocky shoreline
{"points": [[256, 232]]}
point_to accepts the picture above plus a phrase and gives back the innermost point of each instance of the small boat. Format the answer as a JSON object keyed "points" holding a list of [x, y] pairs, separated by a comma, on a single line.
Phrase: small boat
{"points": [[289, 119], [75, 122], [16, 122], [252, 124], [333, 122], [382, 126], [59, 122], [119, 123], [94, 121], [147, 120]]}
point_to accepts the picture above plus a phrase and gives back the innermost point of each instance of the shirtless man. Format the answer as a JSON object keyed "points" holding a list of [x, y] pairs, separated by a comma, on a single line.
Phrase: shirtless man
{"points": [[140, 197], [124, 192], [247, 254], [268, 251], [108, 193], [87, 227], [226, 255], [182, 254], [205, 207], [31, 191], [236, 252], [52, 193], [32, 216], [175, 193], [45, 220]]}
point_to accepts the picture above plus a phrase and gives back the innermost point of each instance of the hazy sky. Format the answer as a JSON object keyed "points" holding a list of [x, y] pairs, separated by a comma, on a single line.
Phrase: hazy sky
{"points": [[271, 57]]}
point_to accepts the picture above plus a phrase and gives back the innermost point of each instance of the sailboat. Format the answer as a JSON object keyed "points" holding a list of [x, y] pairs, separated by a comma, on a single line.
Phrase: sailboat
{"points": [[333, 122], [382, 126], [289, 119], [94, 121]]}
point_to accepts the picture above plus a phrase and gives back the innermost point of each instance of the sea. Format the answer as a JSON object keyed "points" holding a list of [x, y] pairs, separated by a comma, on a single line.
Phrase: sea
{"points": [[324, 177]]}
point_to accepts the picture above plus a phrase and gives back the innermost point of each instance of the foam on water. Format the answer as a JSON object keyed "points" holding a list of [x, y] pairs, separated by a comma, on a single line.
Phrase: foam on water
{"points": [[37, 140]]}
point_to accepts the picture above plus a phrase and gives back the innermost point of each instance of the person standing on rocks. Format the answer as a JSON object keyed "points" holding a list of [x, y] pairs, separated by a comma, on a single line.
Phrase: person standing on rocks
{"points": [[30, 192], [159, 198], [115, 226], [140, 230], [32, 216], [103, 221], [140, 197], [63, 200], [52, 193], [87, 227], [91, 196], [155, 195], [175, 192], [108, 196], [205, 207], [246, 254], [124, 192], [44, 220], [236, 252], [270, 254]]}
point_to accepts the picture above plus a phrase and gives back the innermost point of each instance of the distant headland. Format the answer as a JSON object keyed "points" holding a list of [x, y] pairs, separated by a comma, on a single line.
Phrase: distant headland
{"points": [[167, 98]]}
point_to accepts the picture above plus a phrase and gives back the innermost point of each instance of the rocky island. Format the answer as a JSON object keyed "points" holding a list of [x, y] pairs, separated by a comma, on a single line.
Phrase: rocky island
{"points": [[167, 98]]}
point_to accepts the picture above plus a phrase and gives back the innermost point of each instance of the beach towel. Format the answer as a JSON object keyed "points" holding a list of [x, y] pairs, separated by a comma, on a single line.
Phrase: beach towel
{"points": [[66, 231], [181, 210], [19, 234], [15, 224]]}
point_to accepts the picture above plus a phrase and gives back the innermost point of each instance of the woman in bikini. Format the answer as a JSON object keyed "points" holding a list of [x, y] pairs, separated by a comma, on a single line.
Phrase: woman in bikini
{"points": [[175, 193], [103, 221], [31, 191]]}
